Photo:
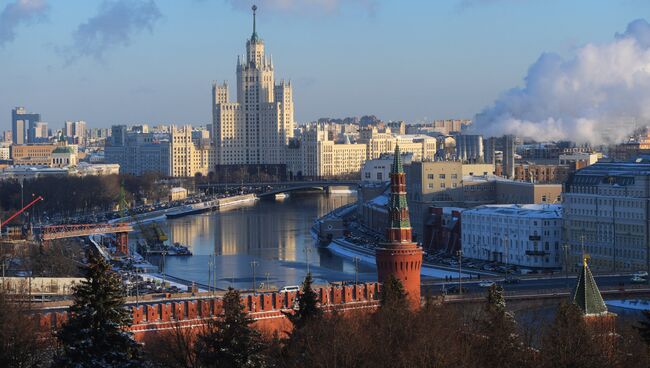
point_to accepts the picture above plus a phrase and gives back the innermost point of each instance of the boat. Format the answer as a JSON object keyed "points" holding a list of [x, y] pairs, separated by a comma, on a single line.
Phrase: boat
{"points": [[193, 209], [281, 196]]}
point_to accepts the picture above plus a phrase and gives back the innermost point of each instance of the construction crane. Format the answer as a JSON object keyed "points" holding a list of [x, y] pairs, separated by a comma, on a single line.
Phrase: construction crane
{"points": [[30, 204]]}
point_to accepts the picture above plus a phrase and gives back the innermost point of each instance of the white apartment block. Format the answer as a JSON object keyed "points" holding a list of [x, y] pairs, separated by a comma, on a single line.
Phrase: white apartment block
{"points": [[528, 236], [606, 215], [258, 126]]}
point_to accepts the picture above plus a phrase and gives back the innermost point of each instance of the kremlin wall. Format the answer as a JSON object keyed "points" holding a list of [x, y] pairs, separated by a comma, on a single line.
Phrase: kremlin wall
{"points": [[266, 309]]}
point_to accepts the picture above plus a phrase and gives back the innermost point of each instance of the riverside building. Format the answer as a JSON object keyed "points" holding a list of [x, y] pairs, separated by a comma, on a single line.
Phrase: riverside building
{"points": [[524, 235], [256, 129], [606, 215]]}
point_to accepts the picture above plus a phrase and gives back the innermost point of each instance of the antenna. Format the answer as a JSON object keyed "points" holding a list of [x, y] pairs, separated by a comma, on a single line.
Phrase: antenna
{"points": [[254, 10]]}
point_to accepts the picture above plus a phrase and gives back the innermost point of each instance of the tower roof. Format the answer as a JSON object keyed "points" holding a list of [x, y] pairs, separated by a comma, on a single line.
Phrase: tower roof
{"points": [[254, 37], [586, 294], [397, 162]]}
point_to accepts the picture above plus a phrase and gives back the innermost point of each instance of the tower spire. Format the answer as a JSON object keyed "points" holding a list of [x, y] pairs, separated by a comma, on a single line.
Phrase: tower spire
{"points": [[254, 36]]}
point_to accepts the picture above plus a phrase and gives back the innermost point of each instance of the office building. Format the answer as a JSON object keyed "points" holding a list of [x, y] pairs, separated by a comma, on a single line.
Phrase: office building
{"points": [[255, 129], [528, 236], [137, 153], [606, 215], [21, 122]]}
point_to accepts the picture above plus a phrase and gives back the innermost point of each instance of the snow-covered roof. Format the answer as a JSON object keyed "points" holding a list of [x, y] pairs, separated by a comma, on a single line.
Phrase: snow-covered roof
{"points": [[550, 211]]}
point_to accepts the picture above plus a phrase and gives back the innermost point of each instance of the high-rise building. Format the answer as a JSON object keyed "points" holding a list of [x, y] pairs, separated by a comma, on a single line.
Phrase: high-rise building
{"points": [[75, 132], [137, 153], [21, 122], [509, 156], [400, 257], [490, 150], [257, 127], [186, 157]]}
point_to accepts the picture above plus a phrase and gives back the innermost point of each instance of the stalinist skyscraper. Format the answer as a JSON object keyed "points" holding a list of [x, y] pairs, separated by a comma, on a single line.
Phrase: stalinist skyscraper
{"points": [[256, 129]]}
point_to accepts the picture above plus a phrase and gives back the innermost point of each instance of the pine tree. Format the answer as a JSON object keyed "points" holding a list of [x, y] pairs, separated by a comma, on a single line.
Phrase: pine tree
{"points": [[498, 344], [392, 295], [308, 309], [96, 334], [230, 341]]}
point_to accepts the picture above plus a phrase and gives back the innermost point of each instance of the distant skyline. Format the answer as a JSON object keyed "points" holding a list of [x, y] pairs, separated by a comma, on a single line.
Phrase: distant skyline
{"points": [[127, 62]]}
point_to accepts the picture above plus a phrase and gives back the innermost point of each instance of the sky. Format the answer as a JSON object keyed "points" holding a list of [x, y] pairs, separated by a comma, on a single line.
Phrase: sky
{"points": [[153, 61]]}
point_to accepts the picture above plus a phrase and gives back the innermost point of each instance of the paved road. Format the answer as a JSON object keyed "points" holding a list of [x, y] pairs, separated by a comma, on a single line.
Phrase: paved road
{"points": [[541, 283]]}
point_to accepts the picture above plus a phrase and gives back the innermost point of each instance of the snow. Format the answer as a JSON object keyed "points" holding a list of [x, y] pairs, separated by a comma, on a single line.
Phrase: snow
{"points": [[343, 251], [637, 304]]}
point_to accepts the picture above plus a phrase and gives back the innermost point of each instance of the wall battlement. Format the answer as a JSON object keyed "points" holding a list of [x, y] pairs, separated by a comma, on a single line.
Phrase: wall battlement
{"points": [[266, 309]]}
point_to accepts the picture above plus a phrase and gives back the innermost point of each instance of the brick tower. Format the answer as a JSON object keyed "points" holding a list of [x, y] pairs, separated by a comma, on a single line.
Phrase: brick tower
{"points": [[400, 256]]}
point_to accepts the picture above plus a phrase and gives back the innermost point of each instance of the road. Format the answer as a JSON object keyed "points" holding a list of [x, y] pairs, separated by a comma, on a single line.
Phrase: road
{"points": [[540, 283]]}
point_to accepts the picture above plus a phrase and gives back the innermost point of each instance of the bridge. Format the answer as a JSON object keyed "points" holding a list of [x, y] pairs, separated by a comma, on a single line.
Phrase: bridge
{"points": [[121, 231], [285, 186]]}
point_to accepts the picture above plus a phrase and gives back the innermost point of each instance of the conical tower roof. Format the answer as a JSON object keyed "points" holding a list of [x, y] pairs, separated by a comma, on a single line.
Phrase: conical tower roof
{"points": [[586, 294], [397, 162]]}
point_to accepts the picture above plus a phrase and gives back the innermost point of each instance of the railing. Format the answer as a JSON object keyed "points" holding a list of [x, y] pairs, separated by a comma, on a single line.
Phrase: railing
{"points": [[71, 231]]}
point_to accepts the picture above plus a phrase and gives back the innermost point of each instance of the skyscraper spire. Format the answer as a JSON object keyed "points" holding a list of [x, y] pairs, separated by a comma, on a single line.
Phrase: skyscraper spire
{"points": [[254, 36]]}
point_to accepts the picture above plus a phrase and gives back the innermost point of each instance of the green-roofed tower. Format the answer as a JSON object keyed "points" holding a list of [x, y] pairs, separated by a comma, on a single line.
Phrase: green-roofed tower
{"points": [[586, 294], [400, 257]]}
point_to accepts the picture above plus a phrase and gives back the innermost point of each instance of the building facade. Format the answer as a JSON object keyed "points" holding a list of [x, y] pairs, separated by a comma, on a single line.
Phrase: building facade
{"points": [[187, 158], [137, 153], [523, 235], [23, 125], [255, 129], [607, 214]]}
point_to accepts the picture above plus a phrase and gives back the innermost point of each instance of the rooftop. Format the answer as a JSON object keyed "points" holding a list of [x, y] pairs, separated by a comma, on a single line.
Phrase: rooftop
{"points": [[550, 211]]}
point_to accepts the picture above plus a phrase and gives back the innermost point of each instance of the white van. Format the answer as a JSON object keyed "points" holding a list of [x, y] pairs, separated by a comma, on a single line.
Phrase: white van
{"points": [[288, 289]]}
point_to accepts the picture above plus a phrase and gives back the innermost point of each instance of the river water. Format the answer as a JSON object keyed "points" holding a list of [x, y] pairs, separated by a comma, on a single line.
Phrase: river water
{"points": [[270, 237]]}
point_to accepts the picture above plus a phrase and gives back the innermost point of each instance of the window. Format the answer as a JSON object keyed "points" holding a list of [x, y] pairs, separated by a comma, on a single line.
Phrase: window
{"points": [[441, 176], [430, 185], [454, 176], [367, 176], [430, 176], [380, 176], [442, 185]]}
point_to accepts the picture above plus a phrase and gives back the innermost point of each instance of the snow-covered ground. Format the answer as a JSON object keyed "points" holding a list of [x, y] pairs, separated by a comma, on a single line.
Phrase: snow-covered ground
{"points": [[637, 304], [344, 251]]}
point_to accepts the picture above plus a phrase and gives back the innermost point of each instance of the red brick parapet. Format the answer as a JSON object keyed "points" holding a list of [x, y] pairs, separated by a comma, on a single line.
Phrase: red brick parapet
{"points": [[266, 309]]}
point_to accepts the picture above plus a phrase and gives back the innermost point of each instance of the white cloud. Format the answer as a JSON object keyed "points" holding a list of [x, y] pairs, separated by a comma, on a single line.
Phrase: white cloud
{"points": [[583, 98]]}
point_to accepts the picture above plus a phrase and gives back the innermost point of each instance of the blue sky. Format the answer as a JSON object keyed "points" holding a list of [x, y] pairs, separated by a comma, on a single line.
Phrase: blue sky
{"points": [[408, 60]]}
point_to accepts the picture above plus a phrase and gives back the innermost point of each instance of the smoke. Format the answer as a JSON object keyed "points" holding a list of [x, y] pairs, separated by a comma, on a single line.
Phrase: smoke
{"points": [[19, 12], [590, 97], [114, 25], [314, 7]]}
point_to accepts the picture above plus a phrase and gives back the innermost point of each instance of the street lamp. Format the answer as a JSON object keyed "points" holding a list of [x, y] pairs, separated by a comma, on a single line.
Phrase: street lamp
{"points": [[254, 265], [459, 253], [164, 253], [566, 264]]}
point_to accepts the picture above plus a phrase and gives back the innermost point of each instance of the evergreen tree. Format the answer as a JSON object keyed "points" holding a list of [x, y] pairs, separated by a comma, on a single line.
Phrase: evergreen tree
{"points": [[644, 328], [499, 344], [392, 295], [308, 309], [230, 341], [96, 334]]}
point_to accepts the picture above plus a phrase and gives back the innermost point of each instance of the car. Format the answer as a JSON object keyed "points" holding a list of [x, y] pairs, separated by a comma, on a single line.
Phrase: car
{"points": [[641, 273], [486, 284], [637, 279], [512, 280], [289, 289]]}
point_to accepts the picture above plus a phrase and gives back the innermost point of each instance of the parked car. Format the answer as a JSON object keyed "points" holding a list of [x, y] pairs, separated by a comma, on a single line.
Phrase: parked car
{"points": [[637, 279], [512, 280], [486, 284], [455, 289], [641, 273]]}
